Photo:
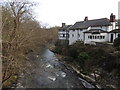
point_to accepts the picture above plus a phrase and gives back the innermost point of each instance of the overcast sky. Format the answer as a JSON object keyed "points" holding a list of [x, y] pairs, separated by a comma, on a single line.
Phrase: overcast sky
{"points": [[55, 12]]}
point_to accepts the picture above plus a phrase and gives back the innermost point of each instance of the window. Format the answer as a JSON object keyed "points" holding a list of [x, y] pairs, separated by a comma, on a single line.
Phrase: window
{"points": [[72, 35], [90, 37], [78, 35], [63, 35], [63, 30], [100, 37], [96, 37]]}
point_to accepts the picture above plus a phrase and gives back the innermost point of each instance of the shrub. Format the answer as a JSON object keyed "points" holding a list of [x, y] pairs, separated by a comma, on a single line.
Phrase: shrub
{"points": [[116, 42], [73, 52], [68, 59], [83, 56], [58, 49]]}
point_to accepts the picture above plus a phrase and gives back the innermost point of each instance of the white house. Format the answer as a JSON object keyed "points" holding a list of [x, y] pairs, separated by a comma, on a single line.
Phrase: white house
{"points": [[63, 33], [97, 30]]}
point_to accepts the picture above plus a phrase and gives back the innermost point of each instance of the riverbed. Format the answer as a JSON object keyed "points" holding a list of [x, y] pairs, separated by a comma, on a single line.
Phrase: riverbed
{"points": [[44, 70]]}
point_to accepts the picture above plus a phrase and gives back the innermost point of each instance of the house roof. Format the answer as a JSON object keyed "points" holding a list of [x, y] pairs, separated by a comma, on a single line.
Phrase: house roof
{"points": [[65, 27], [95, 22], [96, 31], [115, 31]]}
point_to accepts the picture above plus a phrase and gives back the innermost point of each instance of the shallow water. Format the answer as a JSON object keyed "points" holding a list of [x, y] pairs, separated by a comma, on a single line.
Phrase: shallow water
{"points": [[47, 72]]}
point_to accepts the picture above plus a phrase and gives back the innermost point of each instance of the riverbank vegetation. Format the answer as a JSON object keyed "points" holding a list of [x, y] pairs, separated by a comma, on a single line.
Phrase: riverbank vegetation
{"points": [[21, 34], [100, 62]]}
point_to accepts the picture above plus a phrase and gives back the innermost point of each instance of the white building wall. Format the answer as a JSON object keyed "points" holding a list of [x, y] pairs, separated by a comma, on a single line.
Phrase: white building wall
{"points": [[105, 28], [113, 25], [62, 38], [72, 36], [88, 40], [117, 27], [81, 34], [109, 28]]}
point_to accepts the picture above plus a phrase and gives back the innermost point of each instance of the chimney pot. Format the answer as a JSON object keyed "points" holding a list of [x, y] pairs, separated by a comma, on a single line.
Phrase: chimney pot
{"points": [[112, 18], [86, 18], [63, 24]]}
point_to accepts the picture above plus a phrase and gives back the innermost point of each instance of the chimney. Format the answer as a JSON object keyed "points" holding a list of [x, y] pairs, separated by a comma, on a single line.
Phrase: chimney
{"points": [[112, 18], [86, 18], [63, 24]]}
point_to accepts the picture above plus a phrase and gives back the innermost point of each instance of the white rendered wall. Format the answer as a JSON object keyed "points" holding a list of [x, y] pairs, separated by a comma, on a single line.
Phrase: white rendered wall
{"points": [[72, 39], [105, 28], [81, 33], [110, 28], [88, 40], [113, 25]]}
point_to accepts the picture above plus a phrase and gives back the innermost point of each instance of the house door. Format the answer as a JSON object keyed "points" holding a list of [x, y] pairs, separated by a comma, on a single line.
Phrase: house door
{"points": [[111, 38]]}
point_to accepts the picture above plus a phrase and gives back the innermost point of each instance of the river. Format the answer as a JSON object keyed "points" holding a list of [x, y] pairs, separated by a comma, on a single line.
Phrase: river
{"points": [[46, 71]]}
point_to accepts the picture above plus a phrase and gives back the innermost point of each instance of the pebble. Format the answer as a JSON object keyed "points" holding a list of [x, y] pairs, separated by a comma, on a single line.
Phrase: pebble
{"points": [[63, 74], [52, 78]]}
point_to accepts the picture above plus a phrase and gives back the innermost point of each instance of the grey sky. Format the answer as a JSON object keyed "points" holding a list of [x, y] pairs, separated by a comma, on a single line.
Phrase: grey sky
{"points": [[55, 12]]}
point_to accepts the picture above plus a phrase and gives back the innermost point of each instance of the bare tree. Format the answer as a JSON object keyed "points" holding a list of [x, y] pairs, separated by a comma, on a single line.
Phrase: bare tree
{"points": [[21, 33], [14, 14]]}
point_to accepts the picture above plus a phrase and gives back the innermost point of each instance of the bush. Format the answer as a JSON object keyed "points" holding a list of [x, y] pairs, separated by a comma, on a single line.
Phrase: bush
{"points": [[58, 49], [68, 59], [97, 57], [83, 56], [57, 43], [72, 52], [110, 63], [116, 42]]}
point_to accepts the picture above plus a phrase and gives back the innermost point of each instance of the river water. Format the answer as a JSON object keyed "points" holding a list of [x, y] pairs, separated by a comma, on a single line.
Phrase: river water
{"points": [[46, 71]]}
